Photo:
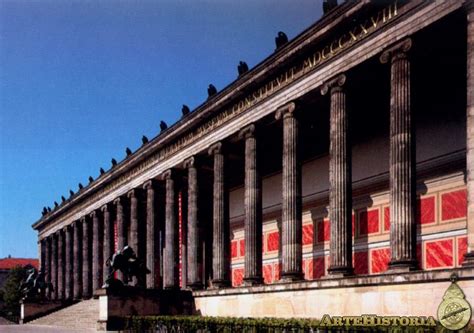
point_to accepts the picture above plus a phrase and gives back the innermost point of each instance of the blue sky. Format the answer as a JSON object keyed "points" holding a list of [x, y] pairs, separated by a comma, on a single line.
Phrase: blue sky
{"points": [[82, 80]]}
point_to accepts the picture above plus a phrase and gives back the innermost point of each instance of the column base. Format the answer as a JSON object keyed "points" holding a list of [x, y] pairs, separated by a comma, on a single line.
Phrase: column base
{"points": [[195, 285], [468, 260], [252, 281], [291, 277], [219, 284], [402, 266], [340, 271]]}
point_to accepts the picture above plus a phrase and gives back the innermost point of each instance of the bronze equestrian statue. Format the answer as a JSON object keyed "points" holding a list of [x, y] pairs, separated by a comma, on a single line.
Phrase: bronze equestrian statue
{"points": [[125, 261], [35, 286]]}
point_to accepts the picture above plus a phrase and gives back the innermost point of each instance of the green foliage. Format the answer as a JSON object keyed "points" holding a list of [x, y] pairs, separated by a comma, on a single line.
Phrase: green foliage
{"points": [[11, 291]]}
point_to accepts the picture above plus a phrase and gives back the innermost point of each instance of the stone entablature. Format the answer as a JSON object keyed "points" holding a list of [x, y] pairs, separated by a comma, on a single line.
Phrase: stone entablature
{"points": [[151, 161]]}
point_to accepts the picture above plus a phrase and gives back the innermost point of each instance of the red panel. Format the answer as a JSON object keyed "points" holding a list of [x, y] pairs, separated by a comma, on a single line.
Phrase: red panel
{"points": [[425, 211], [353, 225], [268, 273], [308, 273], [379, 260], [439, 253], [307, 234], [318, 267], [324, 230], [386, 218], [273, 241], [233, 249], [237, 276], [276, 271], [242, 247], [361, 262], [453, 205], [462, 249], [369, 222]]}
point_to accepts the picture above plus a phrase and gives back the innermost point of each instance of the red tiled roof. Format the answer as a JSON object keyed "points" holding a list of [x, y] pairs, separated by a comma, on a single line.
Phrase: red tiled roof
{"points": [[9, 263]]}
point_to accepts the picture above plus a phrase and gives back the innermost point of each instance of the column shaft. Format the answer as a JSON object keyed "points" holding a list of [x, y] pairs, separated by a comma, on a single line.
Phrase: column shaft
{"points": [[86, 259], [171, 259], [469, 258], [194, 240], [221, 236], [121, 232], [402, 161], [253, 209], [340, 181], [133, 242], [291, 236], [77, 261], [97, 252], [47, 266], [152, 251], [60, 264], [108, 246], [68, 258], [54, 265]]}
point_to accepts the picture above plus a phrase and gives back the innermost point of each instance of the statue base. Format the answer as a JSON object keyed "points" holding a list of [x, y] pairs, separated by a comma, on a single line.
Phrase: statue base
{"points": [[117, 304], [32, 309]]}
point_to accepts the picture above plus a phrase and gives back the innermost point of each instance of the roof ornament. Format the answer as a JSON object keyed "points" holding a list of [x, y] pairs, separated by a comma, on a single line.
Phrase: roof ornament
{"points": [[102, 171], [56, 205], [63, 198], [281, 39], [71, 193], [44, 211], [163, 126], [80, 186], [49, 209], [114, 162], [128, 151], [328, 5], [144, 140], [91, 179], [185, 110], [211, 90], [242, 68]]}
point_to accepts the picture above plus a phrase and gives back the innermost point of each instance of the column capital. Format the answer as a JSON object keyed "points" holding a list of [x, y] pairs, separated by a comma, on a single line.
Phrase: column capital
{"points": [[190, 162], [83, 219], [286, 110], [105, 208], [216, 148], [247, 132], [400, 48], [118, 200], [335, 82], [150, 184], [168, 174], [132, 193], [93, 214]]}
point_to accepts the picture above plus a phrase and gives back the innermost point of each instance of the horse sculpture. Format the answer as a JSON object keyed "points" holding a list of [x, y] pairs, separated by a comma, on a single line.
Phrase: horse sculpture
{"points": [[35, 285], [125, 261]]}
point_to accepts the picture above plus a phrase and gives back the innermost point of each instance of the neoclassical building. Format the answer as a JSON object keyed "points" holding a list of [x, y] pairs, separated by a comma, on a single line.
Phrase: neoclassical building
{"points": [[336, 176]]}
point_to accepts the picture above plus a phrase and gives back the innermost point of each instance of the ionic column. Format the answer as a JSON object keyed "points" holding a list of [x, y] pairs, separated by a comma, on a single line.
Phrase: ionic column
{"points": [[152, 250], [340, 180], [402, 161], [121, 232], [60, 264], [291, 235], [108, 248], [54, 266], [221, 236], [253, 209], [42, 253], [86, 257], [47, 264], [96, 252], [469, 257], [77, 261], [171, 253], [133, 242], [194, 278], [68, 293]]}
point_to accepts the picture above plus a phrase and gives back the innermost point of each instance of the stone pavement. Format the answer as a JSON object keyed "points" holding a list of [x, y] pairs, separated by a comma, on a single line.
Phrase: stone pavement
{"points": [[40, 329]]}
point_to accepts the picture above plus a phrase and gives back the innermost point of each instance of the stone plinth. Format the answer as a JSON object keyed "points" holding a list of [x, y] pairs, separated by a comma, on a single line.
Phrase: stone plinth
{"points": [[32, 310], [116, 305]]}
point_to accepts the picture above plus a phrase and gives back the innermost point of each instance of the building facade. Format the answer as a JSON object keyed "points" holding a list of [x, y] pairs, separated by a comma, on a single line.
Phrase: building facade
{"points": [[337, 176]]}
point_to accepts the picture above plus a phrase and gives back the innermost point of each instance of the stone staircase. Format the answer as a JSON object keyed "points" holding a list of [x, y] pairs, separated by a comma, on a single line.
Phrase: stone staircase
{"points": [[82, 315]]}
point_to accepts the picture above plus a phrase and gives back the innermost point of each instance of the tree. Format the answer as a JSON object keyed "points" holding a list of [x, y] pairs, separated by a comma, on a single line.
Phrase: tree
{"points": [[11, 290]]}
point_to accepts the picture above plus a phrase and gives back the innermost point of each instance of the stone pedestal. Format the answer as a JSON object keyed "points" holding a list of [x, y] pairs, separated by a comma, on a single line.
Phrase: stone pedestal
{"points": [[115, 306], [32, 310]]}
